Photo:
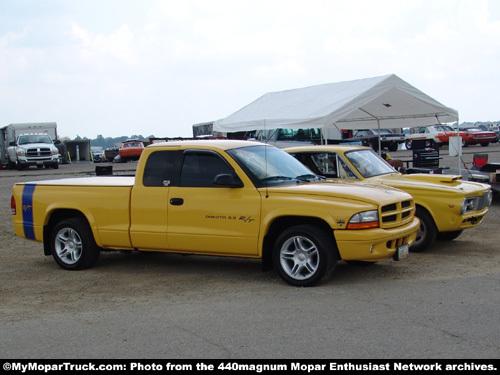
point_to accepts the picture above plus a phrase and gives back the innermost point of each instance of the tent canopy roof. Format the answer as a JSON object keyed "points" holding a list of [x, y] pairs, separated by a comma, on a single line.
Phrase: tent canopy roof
{"points": [[386, 101]]}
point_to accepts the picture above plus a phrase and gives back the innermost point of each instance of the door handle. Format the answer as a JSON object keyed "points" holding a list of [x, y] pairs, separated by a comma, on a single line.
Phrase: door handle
{"points": [[176, 201]]}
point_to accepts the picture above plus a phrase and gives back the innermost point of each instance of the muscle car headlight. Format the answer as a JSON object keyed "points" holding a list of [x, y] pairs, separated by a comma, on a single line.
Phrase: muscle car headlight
{"points": [[469, 204], [490, 198], [364, 220]]}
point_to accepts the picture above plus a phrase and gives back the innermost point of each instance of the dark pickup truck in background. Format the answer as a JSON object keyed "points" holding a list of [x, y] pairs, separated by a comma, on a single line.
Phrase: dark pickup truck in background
{"points": [[388, 139]]}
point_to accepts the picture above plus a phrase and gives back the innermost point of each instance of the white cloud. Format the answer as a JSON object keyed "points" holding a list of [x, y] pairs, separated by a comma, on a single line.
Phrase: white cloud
{"points": [[118, 64]]}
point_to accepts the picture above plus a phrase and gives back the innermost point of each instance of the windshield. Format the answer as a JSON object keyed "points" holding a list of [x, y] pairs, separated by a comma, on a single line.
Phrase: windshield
{"points": [[268, 165], [368, 163], [34, 138]]}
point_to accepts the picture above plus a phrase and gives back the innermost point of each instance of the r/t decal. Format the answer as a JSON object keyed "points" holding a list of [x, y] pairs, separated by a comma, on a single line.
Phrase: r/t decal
{"points": [[246, 219]]}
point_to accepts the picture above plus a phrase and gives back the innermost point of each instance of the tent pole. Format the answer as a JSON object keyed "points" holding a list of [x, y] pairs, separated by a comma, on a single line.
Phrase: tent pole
{"points": [[379, 142], [460, 147]]}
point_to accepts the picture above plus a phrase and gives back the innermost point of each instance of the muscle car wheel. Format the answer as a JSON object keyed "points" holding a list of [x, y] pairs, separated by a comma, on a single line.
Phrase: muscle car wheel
{"points": [[426, 232], [449, 236], [305, 255], [72, 244]]}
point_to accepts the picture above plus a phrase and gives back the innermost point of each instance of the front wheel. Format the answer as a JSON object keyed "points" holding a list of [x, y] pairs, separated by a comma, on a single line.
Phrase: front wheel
{"points": [[427, 231], [449, 236], [305, 255], [72, 244]]}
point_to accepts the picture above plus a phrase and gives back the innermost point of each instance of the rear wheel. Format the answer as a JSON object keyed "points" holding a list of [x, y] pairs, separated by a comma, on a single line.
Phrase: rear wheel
{"points": [[305, 255], [72, 244], [485, 144]]}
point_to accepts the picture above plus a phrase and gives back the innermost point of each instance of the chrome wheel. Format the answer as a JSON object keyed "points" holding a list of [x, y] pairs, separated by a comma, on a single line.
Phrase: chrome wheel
{"points": [[68, 246], [299, 258]]}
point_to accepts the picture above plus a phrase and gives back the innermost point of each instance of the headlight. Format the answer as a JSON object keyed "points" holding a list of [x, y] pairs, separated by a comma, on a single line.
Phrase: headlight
{"points": [[21, 152], [364, 220], [469, 204], [55, 151]]}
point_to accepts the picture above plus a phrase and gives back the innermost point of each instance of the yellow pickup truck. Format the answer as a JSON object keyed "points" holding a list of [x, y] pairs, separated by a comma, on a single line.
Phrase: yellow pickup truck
{"points": [[226, 198], [445, 204]]}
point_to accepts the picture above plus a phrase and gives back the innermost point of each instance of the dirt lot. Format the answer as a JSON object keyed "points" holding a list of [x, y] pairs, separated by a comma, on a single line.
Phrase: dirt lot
{"points": [[39, 301]]}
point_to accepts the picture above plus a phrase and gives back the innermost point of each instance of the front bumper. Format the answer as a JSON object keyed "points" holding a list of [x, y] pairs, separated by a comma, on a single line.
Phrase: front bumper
{"points": [[373, 245]]}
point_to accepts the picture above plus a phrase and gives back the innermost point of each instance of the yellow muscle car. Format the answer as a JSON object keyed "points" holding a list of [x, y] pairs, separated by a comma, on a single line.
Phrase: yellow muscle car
{"points": [[445, 204]]}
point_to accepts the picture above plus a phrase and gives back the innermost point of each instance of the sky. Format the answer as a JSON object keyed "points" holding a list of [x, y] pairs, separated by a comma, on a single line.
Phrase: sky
{"points": [[156, 67]]}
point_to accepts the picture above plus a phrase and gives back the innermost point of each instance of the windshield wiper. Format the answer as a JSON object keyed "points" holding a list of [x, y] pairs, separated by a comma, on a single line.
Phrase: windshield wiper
{"points": [[306, 177], [276, 178]]}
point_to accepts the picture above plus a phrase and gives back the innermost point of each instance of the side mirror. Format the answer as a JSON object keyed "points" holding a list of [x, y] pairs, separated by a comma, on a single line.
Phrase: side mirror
{"points": [[228, 180], [12, 144]]}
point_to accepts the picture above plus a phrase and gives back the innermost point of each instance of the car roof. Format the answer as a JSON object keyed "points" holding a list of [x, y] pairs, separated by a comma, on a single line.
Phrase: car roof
{"points": [[324, 148], [223, 144]]}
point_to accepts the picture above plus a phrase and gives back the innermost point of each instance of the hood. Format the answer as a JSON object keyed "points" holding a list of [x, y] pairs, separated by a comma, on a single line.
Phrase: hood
{"points": [[433, 182], [360, 191]]}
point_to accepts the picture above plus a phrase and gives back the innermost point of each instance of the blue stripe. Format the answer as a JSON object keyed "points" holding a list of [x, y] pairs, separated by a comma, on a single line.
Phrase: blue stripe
{"points": [[29, 231]]}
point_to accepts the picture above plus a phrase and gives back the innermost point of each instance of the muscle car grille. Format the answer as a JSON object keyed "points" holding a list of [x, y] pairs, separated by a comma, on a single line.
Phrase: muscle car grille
{"points": [[395, 214], [483, 202], [34, 152]]}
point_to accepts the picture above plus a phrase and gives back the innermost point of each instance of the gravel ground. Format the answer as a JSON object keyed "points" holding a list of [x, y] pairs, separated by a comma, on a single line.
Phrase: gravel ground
{"points": [[148, 295]]}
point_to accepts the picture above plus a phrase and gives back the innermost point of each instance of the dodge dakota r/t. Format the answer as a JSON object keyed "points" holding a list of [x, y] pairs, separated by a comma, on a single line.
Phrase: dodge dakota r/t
{"points": [[218, 197]]}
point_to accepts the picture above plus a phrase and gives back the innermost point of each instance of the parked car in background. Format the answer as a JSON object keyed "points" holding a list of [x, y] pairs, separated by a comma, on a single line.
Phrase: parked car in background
{"points": [[388, 139], [445, 204], [97, 154], [437, 134], [130, 149], [477, 135]]}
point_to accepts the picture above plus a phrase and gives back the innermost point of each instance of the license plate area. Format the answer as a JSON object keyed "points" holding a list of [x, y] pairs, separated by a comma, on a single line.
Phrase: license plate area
{"points": [[402, 252]]}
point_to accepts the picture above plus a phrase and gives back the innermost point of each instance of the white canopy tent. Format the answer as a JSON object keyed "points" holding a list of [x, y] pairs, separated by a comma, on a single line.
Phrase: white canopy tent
{"points": [[378, 102]]}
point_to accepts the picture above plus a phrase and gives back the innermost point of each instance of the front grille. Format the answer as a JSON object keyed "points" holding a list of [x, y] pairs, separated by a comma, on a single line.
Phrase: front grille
{"points": [[396, 214], [482, 202], [36, 152]]}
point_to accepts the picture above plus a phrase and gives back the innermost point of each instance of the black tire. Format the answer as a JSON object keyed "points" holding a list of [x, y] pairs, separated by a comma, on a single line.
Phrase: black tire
{"points": [[305, 255], [485, 144], [427, 231], [72, 244], [449, 236], [393, 147]]}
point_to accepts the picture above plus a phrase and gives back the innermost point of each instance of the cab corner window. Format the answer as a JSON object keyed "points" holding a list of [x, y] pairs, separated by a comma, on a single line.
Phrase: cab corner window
{"points": [[158, 170]]}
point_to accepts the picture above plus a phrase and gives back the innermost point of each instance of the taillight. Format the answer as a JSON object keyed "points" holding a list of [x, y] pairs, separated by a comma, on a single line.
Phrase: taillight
{"points": [[13, 205]]}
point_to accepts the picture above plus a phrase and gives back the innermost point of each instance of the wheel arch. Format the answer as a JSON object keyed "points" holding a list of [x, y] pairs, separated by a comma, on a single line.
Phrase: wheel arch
{"points": [[57, 216], [279, 225]]}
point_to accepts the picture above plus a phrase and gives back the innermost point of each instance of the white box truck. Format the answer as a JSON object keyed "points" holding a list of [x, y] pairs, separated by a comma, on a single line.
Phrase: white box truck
{"points": [[30, 144]]}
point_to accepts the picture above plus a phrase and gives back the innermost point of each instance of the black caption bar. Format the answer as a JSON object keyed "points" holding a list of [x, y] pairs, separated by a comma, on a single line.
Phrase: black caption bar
{"points": [[249, 366]]}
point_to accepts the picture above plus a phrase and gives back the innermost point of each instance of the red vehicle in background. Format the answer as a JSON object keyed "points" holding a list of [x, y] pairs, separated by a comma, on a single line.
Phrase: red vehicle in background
{"points": [[130, 149], [477, 135]]}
